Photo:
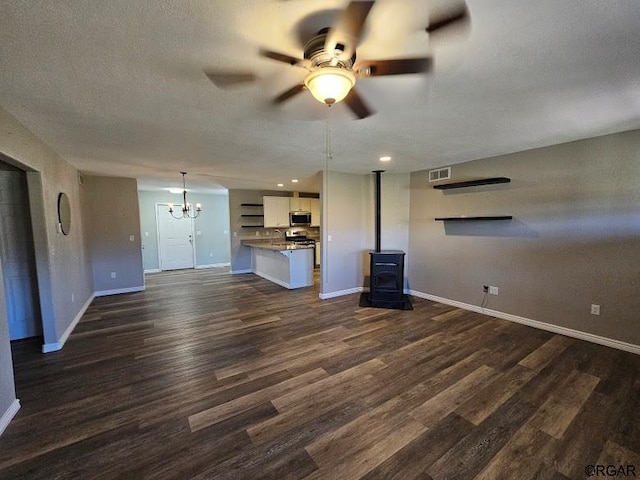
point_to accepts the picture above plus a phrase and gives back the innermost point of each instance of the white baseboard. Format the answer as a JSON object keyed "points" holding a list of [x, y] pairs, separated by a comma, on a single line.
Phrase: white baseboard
{"points": [[117, 291], [55, 346], [339, 293], [152, 270], [569, 332], [8, 415], [213, 265], [247, 270]]}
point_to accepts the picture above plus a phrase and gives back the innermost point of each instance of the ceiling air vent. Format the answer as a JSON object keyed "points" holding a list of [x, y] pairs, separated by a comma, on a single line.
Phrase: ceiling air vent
{"points": [[443, 173]]}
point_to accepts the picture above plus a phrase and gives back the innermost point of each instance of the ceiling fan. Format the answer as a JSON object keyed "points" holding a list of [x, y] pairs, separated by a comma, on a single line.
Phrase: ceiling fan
{"points": [[330, 58]]}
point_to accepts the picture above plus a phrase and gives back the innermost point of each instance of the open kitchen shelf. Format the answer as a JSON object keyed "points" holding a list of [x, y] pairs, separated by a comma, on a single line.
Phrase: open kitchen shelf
{"points": [[468, 219], [255, 213], [472, 183]]}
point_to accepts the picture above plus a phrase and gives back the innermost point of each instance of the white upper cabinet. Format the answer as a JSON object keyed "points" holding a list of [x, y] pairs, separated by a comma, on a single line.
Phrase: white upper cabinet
{"points": [[276, 212], [297, 204]]}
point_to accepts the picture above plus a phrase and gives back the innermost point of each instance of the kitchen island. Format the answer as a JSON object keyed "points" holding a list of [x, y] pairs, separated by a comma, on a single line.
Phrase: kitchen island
{"points": [[287, 264]]}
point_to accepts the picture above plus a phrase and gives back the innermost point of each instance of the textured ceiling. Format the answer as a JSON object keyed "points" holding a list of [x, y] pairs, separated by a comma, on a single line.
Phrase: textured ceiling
{"points": [[118, 87]]}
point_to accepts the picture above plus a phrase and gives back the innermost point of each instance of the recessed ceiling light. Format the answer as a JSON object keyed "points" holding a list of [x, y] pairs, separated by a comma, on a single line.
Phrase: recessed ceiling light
{"points": [[386, 158], [281, 184], [295, 180]]}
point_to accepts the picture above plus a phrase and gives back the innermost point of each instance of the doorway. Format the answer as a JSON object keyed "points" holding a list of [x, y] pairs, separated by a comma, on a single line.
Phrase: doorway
{"points": [[18, 256], [175, 240]]}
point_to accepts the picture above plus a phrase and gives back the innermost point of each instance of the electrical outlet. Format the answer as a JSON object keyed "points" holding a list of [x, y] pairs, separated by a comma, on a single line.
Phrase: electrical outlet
{"points": [[493, 290], [73, 298], [113, 274], [485, 288], [595, 309]]}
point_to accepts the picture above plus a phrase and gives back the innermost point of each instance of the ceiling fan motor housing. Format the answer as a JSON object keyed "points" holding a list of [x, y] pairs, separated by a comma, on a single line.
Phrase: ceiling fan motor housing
{"points": [[314, 51]]}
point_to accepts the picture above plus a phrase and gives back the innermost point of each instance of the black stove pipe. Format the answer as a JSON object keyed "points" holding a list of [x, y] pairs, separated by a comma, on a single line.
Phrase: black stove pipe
{"points": [[378, 207]]}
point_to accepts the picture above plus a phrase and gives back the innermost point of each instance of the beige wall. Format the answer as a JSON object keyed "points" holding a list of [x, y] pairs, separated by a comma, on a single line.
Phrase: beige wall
{"points": [[395, 200], [346, 219], [111, 221], [574, 239], [62, 261], [65, 256], [349, 201]]}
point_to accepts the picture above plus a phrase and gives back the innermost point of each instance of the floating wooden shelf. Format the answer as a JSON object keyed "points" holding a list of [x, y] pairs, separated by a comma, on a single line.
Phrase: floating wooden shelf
{"points": [[258, 216], [467, 219], [472, 183]]}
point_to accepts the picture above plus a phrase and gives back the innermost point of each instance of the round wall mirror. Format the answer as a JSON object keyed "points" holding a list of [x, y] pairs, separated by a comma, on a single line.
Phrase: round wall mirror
{"points": [[64, 213]]}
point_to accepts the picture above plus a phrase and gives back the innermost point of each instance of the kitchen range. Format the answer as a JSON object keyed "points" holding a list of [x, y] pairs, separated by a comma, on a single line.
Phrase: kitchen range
{"points": [[298, 237]]}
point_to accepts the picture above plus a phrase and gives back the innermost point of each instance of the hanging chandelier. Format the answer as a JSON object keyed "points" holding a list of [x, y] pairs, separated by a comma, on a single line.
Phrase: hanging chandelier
{"points": [[186, 206]]}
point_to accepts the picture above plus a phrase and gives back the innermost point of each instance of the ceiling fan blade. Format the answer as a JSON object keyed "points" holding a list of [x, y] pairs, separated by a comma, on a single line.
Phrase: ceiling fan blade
{"points": [[460, 14], [401, 66], [357, 105], [280, 57], [345, 33], [226, 79], [287, 94]]}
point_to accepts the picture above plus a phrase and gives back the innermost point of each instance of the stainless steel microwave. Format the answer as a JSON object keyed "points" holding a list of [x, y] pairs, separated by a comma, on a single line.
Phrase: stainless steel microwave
{"points": [[299, 219]]}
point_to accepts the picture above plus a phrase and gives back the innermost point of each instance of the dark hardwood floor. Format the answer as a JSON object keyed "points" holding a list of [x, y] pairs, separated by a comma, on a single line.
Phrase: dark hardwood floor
{"points": [[208, 375]]}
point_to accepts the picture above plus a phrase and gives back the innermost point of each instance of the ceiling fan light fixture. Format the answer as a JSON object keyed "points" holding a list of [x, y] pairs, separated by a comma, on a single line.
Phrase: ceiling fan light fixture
{"points": [[330, 84]]}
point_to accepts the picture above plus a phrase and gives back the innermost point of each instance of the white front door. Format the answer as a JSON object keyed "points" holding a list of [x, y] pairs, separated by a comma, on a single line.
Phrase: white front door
{"points": [[175, 240], [18, 258]]}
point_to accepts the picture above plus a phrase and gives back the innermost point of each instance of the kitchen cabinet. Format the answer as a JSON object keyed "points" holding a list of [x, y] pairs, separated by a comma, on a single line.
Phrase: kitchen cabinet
{"points": [[315, 212], [318, 255], [276, 212], [298, 204]]}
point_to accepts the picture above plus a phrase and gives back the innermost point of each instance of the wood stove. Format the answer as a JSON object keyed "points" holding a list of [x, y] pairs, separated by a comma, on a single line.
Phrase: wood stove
{"points": [[386, 278]]}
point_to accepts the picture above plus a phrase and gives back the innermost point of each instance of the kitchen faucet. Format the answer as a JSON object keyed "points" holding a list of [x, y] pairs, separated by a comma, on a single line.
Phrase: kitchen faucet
{"points": [[274, 237]]}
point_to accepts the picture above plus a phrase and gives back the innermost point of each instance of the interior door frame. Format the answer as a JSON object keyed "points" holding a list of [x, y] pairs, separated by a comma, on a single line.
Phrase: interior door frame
{"points": [[35, 328], [193, 236]]}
